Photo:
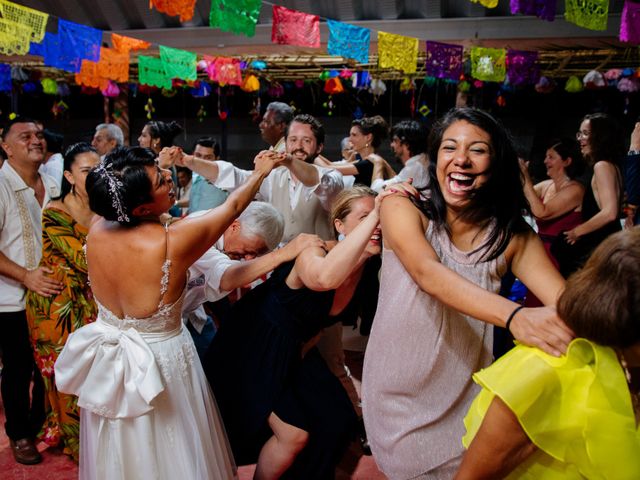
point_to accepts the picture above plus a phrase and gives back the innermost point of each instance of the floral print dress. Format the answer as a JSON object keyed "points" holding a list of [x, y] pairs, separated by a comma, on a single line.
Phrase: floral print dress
{"points": [[52, 319]]}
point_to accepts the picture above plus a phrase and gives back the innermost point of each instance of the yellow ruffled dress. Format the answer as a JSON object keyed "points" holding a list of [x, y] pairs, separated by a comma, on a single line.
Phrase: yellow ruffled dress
{"points": [[576, 409]]}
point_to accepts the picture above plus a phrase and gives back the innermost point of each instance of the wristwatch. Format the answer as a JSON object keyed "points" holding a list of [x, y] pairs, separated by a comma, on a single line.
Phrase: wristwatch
{"points": [[633, 152]]}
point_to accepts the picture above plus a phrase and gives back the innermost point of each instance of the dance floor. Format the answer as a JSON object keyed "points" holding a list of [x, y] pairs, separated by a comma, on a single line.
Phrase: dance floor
{"points": [[56, 466]]}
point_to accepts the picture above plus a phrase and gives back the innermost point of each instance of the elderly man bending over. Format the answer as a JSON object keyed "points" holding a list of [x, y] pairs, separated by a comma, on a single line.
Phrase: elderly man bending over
{"points": [[238, 258]]}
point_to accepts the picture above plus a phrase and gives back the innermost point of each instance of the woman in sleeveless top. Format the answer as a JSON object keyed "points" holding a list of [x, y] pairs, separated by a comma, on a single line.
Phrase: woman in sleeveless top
{"points": [[602, 146], [575, 417], [555, 203], [280, 402], [440, 276], [146, 409], [65, 223], [365, 136]]}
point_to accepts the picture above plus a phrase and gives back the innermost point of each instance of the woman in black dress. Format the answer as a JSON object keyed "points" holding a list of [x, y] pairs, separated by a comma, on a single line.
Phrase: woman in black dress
{"points": [[365, 136], [602, 146], [279, 401]]}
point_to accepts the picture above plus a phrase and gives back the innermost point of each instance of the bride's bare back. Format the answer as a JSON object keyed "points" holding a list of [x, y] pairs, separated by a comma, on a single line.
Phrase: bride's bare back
{"points": [[125, 268]]}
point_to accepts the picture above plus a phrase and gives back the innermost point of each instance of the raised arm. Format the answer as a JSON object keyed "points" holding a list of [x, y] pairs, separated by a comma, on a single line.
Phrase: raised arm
{"points": [[307, 173], [320, 272], [500, 445], [192, 237], [567, 199], [243, 273], [403, 228], [605, 176], [205, 168]]}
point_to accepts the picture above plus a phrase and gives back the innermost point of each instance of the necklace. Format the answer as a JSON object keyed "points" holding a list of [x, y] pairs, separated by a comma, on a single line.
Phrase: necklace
{"points": [[565, 180]]}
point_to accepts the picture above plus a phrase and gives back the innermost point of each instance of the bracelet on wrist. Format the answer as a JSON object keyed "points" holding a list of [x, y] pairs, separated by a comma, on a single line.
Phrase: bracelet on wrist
{"points": [[511, 317]]}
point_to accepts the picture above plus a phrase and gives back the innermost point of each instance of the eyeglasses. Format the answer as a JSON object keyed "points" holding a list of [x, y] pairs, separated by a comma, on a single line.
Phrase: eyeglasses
{"points": [[581, 134]]}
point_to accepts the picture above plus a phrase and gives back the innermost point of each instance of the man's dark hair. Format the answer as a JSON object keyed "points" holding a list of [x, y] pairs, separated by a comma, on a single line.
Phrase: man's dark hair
{"points": [[413, 134], [54, 141], [17, 119], [313, 122], [208, 142]]}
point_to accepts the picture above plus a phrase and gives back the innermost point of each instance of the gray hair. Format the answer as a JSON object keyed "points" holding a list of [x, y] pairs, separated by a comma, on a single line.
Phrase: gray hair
{"points": [[261, 219], [344, 143], [114, 131], [282, 113]]}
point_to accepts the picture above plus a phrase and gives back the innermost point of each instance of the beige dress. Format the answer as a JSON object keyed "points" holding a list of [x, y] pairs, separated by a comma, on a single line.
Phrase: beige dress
{"points": [[417, 384]]}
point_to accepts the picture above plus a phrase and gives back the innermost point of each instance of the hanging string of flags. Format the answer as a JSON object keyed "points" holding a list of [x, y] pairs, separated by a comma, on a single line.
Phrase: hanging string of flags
{"points": [[77, 48]]}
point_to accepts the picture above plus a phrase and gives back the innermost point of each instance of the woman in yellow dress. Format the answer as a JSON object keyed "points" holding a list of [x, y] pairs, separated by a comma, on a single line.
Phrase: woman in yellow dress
{"points": [[573, 417], [65, 223]]}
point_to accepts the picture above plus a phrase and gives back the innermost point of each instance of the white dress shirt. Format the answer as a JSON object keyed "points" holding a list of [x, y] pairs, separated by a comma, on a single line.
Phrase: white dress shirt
{"points": [[416, 168], [231, 177], [54, 167], [12, 243]]}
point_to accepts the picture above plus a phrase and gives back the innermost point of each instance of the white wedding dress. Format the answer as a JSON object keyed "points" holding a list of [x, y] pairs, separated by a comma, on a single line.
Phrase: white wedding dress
{"points": [[146, 408]]}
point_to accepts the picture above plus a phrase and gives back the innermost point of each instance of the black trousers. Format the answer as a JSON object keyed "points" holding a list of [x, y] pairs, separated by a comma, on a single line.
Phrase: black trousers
{"points": [[25, 415]]}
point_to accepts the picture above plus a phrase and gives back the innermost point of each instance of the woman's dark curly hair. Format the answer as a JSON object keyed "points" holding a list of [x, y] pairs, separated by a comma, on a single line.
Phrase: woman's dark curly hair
{"points": [[128, 166], [165, 132], [500, 199], [376, 126]]}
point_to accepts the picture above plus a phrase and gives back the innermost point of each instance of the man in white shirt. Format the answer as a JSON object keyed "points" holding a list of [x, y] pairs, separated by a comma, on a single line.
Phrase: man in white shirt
{"points": [[409, 144], [237, 259], [23, 194], [107, 137], [53, 163], [275, 121], [301, 191]]}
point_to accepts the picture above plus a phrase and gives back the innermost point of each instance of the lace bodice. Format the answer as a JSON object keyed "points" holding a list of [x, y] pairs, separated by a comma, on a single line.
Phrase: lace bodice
{"points": [[167, 318]]}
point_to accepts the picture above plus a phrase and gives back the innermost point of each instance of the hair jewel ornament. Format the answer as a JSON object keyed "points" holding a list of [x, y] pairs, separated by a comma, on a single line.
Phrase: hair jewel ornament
{"points": [[114, 183]]}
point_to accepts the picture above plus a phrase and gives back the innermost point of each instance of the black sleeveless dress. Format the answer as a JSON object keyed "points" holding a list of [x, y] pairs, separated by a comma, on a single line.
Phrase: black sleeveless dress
{"points": [[255, 367], [572, 257]]}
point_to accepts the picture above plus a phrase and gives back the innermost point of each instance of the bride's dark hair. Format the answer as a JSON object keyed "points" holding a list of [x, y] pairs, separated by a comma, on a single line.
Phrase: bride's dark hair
{"points": [[121, 183], [500, 199]]}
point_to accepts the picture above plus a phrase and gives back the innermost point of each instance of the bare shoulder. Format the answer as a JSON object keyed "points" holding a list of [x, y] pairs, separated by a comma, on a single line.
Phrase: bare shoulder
{"points": [[604, 168], [57, 205], [397, 209], [519, 242], [544, 184], [112, 236]]}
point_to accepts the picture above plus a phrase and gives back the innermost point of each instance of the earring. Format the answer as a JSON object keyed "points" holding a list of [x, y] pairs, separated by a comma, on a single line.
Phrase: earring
{"points": [[73, 188], [366, 145]]}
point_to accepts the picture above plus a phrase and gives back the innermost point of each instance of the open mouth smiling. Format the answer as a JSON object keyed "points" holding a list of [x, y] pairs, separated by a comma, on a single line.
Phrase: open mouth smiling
{"points": [[460, 182]]}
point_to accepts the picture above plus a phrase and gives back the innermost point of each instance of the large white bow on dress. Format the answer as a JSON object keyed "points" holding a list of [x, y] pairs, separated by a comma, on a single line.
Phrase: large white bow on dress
{"points": [[113, 372]]}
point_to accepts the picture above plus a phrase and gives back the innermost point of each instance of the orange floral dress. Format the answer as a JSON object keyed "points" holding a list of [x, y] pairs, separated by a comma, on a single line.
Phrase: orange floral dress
{"points": [[52, 319]]}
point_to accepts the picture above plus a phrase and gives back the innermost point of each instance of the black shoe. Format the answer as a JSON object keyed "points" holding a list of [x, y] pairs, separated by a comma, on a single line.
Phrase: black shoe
{"points": [[25, 451]]}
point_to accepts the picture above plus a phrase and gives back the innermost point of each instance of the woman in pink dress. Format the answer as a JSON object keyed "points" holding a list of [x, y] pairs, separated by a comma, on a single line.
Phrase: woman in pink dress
{"points": [[441, 271]]}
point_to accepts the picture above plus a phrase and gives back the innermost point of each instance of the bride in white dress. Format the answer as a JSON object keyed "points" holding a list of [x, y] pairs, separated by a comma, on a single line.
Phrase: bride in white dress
{"points": [[146, 408]]}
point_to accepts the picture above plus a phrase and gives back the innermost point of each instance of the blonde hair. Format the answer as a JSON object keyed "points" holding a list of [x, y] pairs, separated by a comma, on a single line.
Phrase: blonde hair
{"points": [[342, 204]]}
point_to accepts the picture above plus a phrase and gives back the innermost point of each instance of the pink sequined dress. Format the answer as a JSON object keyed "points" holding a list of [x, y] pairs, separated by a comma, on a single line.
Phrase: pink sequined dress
{"points": [[417, 384]]}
